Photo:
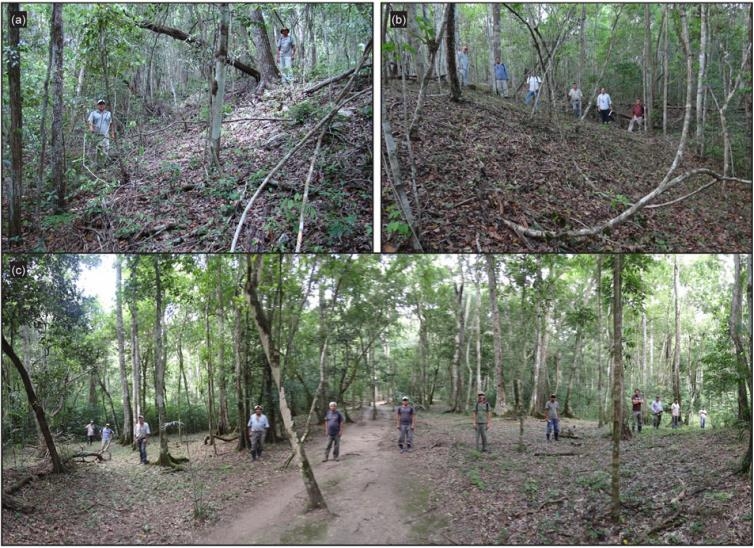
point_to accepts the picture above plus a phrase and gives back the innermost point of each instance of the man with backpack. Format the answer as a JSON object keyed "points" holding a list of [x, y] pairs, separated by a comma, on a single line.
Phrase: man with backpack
{"points": [[333, 430], [481, 420], [405, 421]]}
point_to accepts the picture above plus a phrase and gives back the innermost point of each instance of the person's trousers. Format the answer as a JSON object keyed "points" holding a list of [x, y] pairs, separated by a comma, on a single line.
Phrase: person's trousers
{"points": [[657, 420], [257, 440], [675, 421], [406, 437], [637, 420], [481, 433], [333, 440], [502, 87], [636, 119], [553, 426], [605, 115], [143, 450], [286, 68], [702, 421], [576, 106], [530, 96]]}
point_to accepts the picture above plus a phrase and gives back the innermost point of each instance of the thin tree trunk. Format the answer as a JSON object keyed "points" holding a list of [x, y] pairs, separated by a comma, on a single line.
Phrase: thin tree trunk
{"points": [[13, 60], [736, 328], [217, 92], [455, 379], [450, 42], [494, 46], [159, 365], [666, 15], [617, 385], [677, 334], [58, 142], [700, 84], [223, 423], [126, 433], [598, 282], [497, 339]]}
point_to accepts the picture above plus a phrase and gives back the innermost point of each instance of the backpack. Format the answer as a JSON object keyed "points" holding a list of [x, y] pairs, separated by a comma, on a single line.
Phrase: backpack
{"points": [[486, 408]]}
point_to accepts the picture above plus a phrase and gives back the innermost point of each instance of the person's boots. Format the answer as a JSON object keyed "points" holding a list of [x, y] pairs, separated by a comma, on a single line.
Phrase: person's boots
{"points": [[556, 436], [548, 437]]}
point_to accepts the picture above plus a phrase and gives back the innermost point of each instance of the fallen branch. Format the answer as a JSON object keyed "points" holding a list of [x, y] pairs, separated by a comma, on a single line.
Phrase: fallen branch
{"points": [[339, 77], [627, 214], [206, 439], [557, 454], [83, 455], [16, 486], [11, 503], [305, 198]]}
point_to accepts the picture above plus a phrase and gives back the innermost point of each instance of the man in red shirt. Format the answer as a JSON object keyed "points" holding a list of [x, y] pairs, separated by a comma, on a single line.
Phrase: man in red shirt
{"points": [[637, 114]]}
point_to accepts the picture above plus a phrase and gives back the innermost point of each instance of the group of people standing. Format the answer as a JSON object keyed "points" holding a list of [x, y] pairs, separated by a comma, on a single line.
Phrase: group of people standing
{"points": [[657, 408]]}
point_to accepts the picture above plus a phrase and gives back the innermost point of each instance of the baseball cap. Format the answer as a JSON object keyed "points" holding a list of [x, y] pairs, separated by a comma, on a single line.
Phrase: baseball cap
{"points": [[404, 398], [101, 101]]}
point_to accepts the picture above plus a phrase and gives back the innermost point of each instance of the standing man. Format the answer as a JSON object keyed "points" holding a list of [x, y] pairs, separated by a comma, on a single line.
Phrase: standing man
{"points": [[107, 436], [604, 105], [333, 430], [702, 417], [286, 53], [100, 124], [636, 401], [657, 412], [258, 425], [405, 421], [463, 66], [91, 432], [553, 417], [575, 95], [481, 418], [501, 78], [142, 433], [534, 81], [675, 412], [637, 114]]}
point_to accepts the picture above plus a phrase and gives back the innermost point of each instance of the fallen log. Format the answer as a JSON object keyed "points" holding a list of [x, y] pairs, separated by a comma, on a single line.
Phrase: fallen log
{"points": [[334, 79], [11, 503], [206, 439], [16, 486]]}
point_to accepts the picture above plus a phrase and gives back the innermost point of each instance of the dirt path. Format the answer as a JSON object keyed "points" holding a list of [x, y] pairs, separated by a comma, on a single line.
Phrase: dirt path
{"points": [[365, 493]]}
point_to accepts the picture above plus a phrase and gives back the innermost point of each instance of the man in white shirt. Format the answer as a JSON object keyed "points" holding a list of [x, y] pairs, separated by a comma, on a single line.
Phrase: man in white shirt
{"points": [[574, 94], [604, 105], [286, 53], [534, 81], [675, 411], [258, 425], [463, 65], [142, 433], [657, 412], [100, 124]]}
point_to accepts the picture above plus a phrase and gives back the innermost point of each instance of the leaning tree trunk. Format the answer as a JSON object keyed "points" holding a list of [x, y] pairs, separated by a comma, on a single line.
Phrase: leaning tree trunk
{"points": [[268, 69], [126, 434], [272, 352], [13, 58], [617, 385], [57, 465]]}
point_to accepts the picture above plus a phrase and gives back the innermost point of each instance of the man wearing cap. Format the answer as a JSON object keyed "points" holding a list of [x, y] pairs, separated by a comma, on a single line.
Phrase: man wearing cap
{"points": [[141, 434], [405, 418], [333, 430], [99, 123], [481, 420], [286, 53], [107, 435], [553, 417], [258, 425]]}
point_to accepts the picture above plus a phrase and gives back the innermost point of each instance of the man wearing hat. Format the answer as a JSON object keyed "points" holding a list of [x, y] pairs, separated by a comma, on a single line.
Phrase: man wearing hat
{"points": [[141, 434], [100, 124], [286, 53], [553, 417], [481, 420], [107, 435], [405, 421], [258, 425]]}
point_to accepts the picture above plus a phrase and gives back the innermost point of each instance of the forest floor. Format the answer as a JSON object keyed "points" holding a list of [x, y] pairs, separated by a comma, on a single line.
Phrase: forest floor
{"points": [[486, 158], [162, 197], [677, 487]]}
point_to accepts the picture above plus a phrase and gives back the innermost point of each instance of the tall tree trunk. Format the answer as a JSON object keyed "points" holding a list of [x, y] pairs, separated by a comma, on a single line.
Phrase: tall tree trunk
{"points": [[272, 352], [494, 45], [210, 380], [159, 366], [217, 93], [455, 366], [700, 84], [567, 409], [598, 281], [497, 338], [677, 334], [478, 332], [13, 59], [58, 143], [450, 42], [223, 423], [243, 441], [582, 45], [617, 385], [126, 434], [413, 37], [39, 412], [267, 67], [648, 70], [736, 329], [666, 16]]}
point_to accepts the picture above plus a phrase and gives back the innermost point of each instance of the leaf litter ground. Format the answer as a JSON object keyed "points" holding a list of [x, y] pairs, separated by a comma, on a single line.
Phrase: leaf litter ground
{"points": [[677, 488], [170, 202], [485, 158]]}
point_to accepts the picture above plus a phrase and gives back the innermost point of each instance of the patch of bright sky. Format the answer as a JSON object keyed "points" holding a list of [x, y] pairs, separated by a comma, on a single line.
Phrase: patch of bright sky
{"points": [[99, 282]]}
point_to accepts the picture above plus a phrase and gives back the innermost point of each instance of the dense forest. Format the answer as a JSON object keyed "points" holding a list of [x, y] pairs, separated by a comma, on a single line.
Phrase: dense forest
{"points": [[472, 165], [193, 342], [208, 139]]}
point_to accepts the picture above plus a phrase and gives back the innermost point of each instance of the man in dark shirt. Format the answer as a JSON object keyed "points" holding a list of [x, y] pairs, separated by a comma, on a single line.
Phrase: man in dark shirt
{"points": [[405, 418], [637, 115], [636, 402], [333, 430]]}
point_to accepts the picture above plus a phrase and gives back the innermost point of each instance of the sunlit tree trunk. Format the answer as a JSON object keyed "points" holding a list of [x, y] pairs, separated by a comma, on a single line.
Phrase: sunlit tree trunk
{"points": [[677, 334], [497, 338], [126, 435], [159, 365]]}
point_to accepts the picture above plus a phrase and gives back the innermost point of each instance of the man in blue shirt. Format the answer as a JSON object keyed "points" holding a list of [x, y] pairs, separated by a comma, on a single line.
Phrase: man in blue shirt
{"points": [[333, 430], [463, 66], [501, 78], [258, 425]]}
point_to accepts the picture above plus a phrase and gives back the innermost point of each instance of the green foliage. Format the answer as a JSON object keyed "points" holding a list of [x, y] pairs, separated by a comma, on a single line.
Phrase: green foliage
{"points": [[305, 111]]}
